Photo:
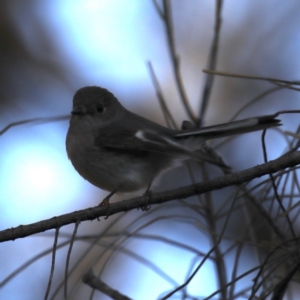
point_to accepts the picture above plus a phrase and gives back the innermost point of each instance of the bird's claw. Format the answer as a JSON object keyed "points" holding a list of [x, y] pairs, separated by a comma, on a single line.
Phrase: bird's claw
{"points": [[105, 202], [146, 207]]}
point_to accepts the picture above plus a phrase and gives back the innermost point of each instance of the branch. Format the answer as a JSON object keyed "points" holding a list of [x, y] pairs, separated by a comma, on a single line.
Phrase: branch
{"points": [[35, 121], [94, 282], [241, 76], [163, 104], [52, 263], [167, 12], [68, 259], [281, 286], [212, 61], [285, 161]]}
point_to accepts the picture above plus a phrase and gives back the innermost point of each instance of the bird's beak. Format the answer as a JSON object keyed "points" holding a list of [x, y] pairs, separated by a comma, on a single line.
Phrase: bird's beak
{"points": [[78, 110]]}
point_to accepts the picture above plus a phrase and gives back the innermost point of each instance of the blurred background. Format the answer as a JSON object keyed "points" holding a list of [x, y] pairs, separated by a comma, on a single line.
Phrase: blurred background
{"points": [[51, 48]]}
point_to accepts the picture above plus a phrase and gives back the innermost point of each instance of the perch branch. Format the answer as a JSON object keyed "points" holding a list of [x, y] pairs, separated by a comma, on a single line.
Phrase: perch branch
{"points": [[285, 161]]}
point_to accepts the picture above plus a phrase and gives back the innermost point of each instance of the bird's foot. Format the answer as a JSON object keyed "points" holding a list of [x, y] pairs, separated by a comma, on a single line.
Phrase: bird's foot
{"points": [[146, 207], [105, 202]]}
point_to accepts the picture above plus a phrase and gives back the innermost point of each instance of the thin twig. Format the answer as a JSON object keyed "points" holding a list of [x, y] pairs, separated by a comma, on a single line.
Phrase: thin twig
{"points": [[158, 9], [94, 282], [68, 259], [231, 282], [275, 188], [281, 286], [175, 60], [255, 99], [163, 104], [269, 277], [52, 263], [213, 249], [212, 62], [111, 246], [34, 120], [211, 223], [286, 86], [285, 161], [235, 269], [267, 259], [241, 76], [29, 263]]}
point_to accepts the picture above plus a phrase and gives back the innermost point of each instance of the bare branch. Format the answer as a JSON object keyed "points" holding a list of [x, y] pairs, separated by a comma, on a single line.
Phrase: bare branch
{"points": [[280, 288], [241, 76], [158, 9], [175, 60], [256, 99], [211, 221], [35, 121], [163, 104], [275, 187], [52, 263], [94, 282], [212, 61], [213, 249], [68, 258], [285, 161]]}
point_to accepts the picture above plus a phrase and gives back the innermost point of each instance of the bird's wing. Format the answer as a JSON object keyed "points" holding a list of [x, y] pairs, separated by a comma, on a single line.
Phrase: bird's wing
{"points": [[135, 142], [140, 140]]}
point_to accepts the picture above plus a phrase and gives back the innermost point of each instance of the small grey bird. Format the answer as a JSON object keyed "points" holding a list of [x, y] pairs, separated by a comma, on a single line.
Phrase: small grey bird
{"points": [[119, 151]]}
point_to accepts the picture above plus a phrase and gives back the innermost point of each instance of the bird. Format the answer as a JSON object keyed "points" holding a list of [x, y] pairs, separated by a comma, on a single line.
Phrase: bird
{"points": [[119, 151]]}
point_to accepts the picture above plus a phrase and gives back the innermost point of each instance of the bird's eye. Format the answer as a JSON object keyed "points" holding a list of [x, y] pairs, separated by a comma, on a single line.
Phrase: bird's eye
{"points": [[100, 108]]}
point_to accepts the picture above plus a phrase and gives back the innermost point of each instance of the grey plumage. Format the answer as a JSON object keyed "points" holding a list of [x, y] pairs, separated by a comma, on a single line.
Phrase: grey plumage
{"points": [[115, 149]]}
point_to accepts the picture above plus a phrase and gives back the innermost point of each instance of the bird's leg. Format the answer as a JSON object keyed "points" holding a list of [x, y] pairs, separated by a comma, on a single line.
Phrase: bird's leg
{"points": [[105, 201], [147, 194]]}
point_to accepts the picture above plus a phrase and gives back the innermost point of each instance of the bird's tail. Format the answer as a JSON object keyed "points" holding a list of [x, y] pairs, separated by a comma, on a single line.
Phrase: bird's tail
{"points": [[233, 128]]}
